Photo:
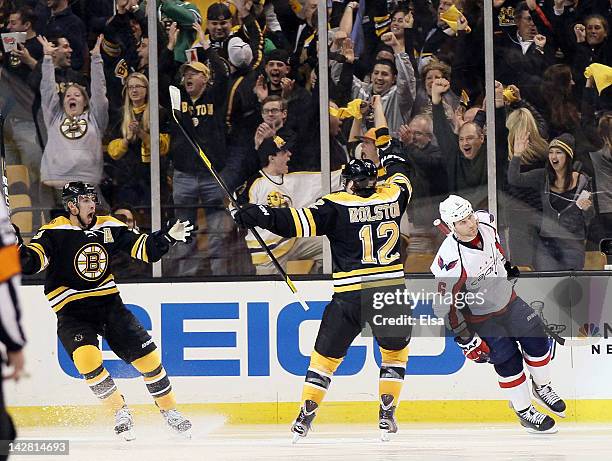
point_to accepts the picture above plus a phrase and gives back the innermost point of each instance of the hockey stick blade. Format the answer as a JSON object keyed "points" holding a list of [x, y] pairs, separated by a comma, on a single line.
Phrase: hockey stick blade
{"points": [[572, 342], [175, 98]]}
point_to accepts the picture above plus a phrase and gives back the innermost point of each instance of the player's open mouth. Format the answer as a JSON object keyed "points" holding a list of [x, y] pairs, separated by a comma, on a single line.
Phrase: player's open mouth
{"points": [[72, 105], [90, 215]]}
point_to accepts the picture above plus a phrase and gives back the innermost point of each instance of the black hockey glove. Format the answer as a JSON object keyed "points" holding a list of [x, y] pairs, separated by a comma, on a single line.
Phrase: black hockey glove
{"points": [[513, 272], [18, 235], [249, 215], [395, 153]]}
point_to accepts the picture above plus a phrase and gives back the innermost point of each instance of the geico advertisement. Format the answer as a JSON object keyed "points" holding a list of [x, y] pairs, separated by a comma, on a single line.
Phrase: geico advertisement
{"points": [[251, 341]]}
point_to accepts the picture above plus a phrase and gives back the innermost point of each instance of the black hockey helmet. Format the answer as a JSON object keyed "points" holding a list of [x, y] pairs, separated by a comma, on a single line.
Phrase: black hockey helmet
{"points": [[363, 173], [74, 189]]}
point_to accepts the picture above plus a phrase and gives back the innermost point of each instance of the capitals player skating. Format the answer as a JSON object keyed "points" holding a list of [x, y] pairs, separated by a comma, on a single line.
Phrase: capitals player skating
{"points": [[490, 322]]}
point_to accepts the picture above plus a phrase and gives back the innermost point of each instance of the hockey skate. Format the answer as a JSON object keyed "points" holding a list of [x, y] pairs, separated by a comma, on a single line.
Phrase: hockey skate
{"points": [[548, 398], [535, 422], [124, 423], [386, 417], [177, 423], [303, 422]]}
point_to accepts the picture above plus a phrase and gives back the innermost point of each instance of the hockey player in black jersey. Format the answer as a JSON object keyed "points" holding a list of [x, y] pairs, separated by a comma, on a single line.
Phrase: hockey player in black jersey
{"points": [[362, 224], [76, 250]]}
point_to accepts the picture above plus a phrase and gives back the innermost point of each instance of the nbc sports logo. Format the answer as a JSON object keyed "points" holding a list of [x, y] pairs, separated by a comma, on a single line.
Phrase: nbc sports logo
{"points": [[588, 330]]}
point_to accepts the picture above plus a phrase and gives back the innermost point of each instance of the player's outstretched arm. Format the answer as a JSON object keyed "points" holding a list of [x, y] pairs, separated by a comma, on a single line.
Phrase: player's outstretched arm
{"points": [[286, 222], [33, 257], [151, 247]]}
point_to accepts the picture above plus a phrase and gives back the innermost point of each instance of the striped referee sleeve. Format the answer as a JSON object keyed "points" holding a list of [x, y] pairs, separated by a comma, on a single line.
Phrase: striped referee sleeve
{"points": [[11, 333]]}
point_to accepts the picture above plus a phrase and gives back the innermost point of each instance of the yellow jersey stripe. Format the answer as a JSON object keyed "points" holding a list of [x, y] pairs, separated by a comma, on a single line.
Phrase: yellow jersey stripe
{"points": [[56, 292], [40, 251], [368, 271], [385, 193], [78, 296], [374, 284], [145, 256], [311, 221], [134, 251], [299, 232], [59, 290]]}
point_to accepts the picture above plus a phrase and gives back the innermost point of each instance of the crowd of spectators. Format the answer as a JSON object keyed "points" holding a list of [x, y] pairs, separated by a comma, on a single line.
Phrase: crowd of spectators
{"points": [[74, 89]]}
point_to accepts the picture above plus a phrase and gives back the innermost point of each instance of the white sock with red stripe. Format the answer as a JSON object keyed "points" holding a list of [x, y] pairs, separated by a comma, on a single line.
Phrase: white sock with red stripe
{"points": [[539, 368], [516, 390]]}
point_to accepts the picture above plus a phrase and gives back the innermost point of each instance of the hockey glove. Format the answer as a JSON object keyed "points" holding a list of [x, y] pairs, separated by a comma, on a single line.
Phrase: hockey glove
{"points": [[474, 348], [249, 215], [179, 232], [513, 272], [18, 236], [393, 154]]}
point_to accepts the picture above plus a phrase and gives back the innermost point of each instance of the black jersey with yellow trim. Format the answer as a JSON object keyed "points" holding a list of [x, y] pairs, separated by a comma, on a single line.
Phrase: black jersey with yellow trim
{"points": [[78, 260], [363, 231]]}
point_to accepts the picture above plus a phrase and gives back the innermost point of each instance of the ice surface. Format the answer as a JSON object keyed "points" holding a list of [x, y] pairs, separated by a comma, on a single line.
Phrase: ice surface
{"points": [[212, 440]]}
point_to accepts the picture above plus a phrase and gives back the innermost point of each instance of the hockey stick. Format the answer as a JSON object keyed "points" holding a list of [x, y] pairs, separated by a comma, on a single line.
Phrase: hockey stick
{"points": [[175, 98], [5, 190], [589, 341]]}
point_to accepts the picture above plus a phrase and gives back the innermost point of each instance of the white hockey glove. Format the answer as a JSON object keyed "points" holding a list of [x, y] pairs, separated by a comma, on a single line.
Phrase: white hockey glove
{"points": [[180, 232]]}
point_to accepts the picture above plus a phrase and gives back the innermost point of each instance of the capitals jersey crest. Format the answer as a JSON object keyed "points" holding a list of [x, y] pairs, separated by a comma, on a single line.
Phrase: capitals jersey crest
{"points": [[448, 266]]}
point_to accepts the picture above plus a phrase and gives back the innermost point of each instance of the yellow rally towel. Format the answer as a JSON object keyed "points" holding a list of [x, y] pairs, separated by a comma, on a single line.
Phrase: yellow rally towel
{"points": [[601, 74], [464, 99], [351, 110], [509, 95], [451, 16]]}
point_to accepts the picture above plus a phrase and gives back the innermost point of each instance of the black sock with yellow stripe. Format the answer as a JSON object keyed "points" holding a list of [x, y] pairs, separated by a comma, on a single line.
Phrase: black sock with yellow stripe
{"points": [[156, 379]]}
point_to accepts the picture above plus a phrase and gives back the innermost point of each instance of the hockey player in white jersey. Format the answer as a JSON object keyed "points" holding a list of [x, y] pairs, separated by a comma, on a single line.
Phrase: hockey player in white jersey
{"points": [[490, 322]]}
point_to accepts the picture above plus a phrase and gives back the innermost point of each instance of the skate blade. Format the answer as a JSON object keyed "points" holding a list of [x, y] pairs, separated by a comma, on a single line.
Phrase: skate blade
{"points": [[128, 435], [561, 414], [296, 438], [552, 430], [385, 436]]}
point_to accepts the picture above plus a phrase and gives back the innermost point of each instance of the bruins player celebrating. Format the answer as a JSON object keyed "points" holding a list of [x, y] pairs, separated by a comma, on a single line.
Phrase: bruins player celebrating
{"points": [[76, 250], [362, 224]]}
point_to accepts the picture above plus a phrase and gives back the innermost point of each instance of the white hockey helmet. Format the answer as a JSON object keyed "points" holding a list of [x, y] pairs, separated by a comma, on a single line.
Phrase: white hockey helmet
{"points": [[454, 209]]}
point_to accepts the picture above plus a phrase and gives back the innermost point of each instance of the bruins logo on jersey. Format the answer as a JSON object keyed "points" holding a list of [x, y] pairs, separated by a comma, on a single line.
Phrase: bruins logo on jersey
{"points": [[72, 128], [506, 16], [277, 200], [14, 60], [91, 261], [122, 70]]}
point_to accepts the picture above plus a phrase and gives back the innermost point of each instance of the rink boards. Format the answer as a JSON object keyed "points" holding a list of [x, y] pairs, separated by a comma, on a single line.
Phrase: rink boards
{"points": [[242, 348]]}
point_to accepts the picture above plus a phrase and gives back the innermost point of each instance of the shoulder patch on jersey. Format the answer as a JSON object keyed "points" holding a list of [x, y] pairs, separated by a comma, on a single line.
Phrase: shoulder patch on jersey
{"points": [[448, 266], [385, 193], [102, 221], [57, 222]]}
